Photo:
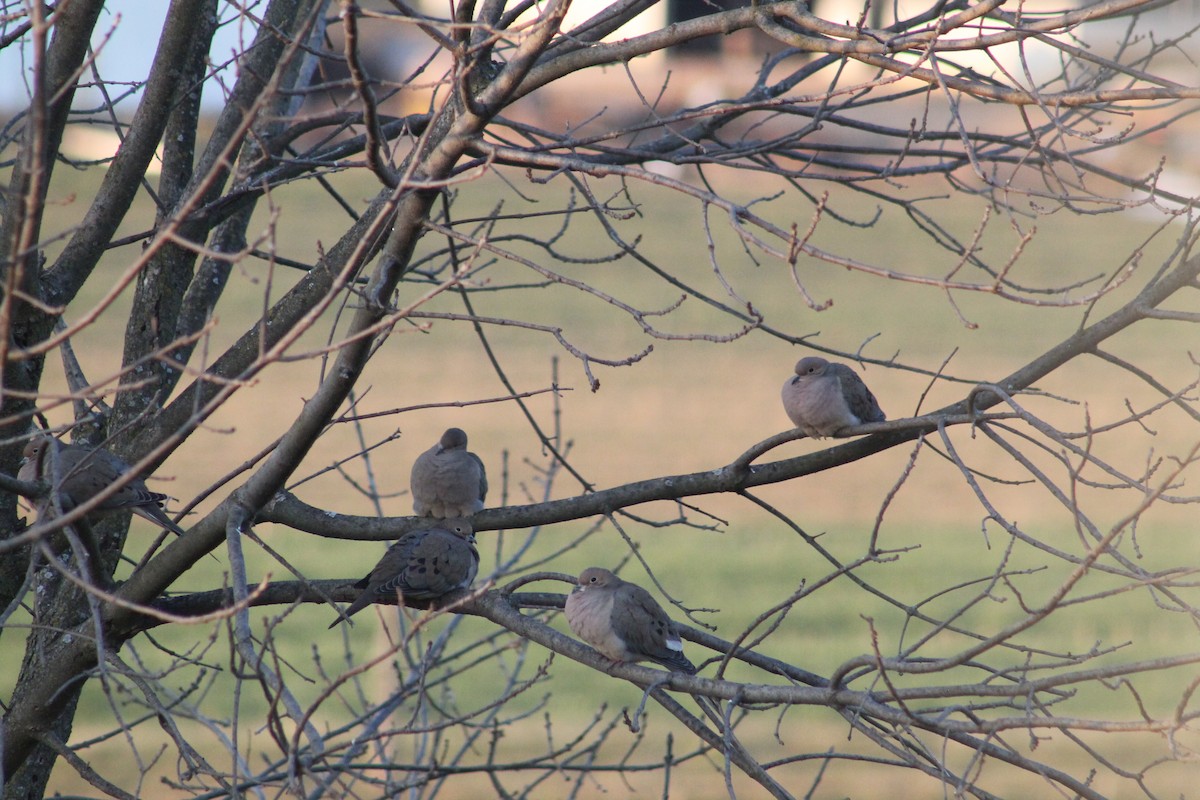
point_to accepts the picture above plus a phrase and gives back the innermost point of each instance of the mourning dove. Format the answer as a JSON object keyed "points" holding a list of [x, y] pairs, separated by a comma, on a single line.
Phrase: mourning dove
{"points": [[823, 398], [424, 564], [623, 622], [76, 474], [447, 479]]}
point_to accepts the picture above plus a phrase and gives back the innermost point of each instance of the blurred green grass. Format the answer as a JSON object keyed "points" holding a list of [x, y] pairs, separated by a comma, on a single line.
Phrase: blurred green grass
{"points": [[688, 406]]}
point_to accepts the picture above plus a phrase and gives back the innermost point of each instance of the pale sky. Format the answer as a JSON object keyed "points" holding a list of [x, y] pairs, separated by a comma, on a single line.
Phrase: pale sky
{"points": [[132, 28]]}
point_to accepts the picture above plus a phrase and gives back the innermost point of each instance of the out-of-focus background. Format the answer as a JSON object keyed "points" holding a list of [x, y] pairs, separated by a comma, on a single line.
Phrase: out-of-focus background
{"points": [[688, 406]]}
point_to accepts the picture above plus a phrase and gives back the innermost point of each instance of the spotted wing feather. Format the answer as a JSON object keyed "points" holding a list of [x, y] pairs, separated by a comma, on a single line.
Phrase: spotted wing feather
{"points": [[646, 629]]}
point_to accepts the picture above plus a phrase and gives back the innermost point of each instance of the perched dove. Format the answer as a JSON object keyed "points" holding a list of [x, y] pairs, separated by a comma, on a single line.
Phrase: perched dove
{"points": [[424, 564], [76, 474], [447, 479], [623, 621], [823, 398]]}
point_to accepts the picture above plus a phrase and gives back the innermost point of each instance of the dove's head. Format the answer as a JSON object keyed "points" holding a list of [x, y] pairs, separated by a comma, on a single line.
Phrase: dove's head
{"points": [[35, 447], [596, 578], [811, 367], [454, 439], [459, 526]]}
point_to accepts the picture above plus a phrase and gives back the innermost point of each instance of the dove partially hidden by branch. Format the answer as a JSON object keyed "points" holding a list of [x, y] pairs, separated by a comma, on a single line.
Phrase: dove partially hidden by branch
{"points": [[76, 474], [447, 479], [623, 621], [423, 565], [824, 397]]}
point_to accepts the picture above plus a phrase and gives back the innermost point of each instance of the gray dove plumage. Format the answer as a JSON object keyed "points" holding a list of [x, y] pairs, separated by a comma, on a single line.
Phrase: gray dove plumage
{"points": [[423, 565], [823, 397], [76, 474], [623, 621], [447, 479]]}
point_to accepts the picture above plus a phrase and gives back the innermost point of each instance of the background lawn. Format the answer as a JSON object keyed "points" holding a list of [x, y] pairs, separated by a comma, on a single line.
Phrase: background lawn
{"points": [[688, 406]]}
